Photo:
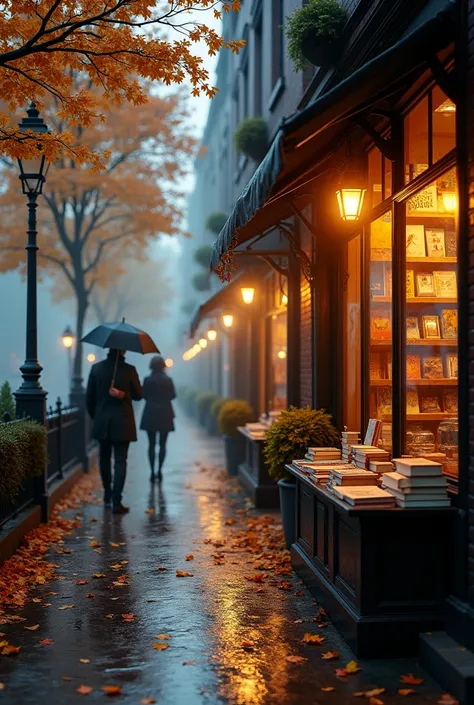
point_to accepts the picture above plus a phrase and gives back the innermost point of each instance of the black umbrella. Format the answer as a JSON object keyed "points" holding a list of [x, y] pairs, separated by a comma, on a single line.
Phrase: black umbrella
{"points": [[121, 336]]}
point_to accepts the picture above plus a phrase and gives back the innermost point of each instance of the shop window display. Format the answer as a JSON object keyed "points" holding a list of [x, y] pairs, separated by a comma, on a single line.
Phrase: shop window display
{"points": [[278, 361]]}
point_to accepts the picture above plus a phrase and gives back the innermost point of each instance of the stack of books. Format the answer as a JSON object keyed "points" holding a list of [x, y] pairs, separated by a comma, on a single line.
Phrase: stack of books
{"points": [[256, 430], [371, 496], [349, 439], [319, 472], [351, 477], [316, 454], [363, 455], [380, 466], [417, 482]]}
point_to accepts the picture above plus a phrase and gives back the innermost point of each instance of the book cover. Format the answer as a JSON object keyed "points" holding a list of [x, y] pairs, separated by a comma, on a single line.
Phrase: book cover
{"points": [[445, 284], [413, 329], [449, 323], [452, 366], [432, 367], [410, 283], [377, 279], [399, 481], [375, 365], [371, 493], [429, 405], [450, 241], [371, 435], [415, 238], [384, 401], [435, 246], [388, 279], [381, 323], [413, 363], [450, 402], [416, 467], [413, 405], [381, 234]]}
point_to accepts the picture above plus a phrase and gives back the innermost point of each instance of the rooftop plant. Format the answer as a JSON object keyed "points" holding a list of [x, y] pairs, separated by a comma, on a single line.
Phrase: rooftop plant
{"points": [[319, 22]]}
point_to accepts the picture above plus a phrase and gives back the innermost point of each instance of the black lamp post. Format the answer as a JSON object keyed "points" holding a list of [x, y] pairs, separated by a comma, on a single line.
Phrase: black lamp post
{"points": [[31, 397], [68, 342]]}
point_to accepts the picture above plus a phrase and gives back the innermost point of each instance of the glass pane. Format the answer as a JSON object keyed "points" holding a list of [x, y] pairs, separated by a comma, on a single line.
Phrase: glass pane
{"points": [[375, 176], [352, 346], [387, 165], [278, 343], [432, 324], [444, 124], [380, 325], [416, 141]]}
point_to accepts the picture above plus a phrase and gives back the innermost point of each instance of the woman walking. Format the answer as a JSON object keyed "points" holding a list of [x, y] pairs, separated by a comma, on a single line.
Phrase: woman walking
{"points": [[158, 414]]}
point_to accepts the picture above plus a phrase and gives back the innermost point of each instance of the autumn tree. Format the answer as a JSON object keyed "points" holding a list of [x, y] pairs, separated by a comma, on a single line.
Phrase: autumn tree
{"points": [[91, 223], [117, 45]]}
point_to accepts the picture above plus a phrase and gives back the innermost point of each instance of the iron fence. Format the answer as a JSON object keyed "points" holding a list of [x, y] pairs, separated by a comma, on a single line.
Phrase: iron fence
{"points": [[69, 441]]}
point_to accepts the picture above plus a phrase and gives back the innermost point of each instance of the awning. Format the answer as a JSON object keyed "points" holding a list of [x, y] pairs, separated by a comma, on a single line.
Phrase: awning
{"points": [[224, 298], [293, 154]]}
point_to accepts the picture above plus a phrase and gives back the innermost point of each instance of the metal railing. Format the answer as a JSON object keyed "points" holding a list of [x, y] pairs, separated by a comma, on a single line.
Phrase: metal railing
{"points": [[69, 441]]}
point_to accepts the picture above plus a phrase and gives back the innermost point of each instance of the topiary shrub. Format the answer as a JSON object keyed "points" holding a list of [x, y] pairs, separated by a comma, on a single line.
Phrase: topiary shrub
{"points": [[201, 281], [217, 406], [23, 453], [215, 222], [233, 414], [204, 401], [7, 402], [312, 32], [251, 138], [202, 256], [292, 434]]}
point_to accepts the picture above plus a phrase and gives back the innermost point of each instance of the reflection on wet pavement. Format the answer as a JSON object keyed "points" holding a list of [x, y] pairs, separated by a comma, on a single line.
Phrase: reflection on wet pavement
{"points": [[226, 630]]}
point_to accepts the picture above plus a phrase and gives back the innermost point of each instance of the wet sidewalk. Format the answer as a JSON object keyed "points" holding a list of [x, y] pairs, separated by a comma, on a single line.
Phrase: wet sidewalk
{"points": [[228, 627]]}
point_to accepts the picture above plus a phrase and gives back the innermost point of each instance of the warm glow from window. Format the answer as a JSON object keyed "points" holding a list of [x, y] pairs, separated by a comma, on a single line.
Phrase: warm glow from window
{"points": [[284, 300], [450, 201], [169, 362], [228, 320], [196, 349], [350, 202], [281, 354], [447, 107], [211, 334], [91, 358], [203, 343], [248, 294]]}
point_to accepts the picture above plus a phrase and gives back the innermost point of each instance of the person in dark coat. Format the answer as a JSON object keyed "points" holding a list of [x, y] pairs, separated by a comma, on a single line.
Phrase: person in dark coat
{"points": [[158, 414], [113, 385]]}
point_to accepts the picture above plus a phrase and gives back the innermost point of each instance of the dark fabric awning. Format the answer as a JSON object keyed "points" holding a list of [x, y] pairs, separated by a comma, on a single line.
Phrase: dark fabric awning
{"points": [[301, 138]]}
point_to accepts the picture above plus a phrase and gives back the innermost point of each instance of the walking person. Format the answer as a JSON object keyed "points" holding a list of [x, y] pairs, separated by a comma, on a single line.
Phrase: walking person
{"points": [[158, 414], [113, 385]]}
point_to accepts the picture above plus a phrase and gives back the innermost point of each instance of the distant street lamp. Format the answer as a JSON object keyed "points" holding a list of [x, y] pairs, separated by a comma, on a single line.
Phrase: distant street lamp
{"points": [[248, 294], [211, 334], [68, 342], [169, 362], [203, 343], [91, 358], [228, 320], [31, 397]]}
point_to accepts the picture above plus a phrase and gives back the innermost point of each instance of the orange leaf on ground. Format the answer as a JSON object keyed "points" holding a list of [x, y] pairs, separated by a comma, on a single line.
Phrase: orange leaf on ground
{"points": [[162, 637], [341, 672], [112, 689], [82, 582], [2, 686], [109, 616], [94, 544], [160, 568], [128, 617], [46, 642], [258, 578], [406, 691], [190, 557], [328, 689], [189, 663], [447, 699], [84, 660], [247, 644], [149, 511], [84, 690], [313, 639], [184, 574], [147, 701], [296, 659], [113, 544], [90, 594], [10, 650], [98, 575], [375, 701], [330, 655], [410, 679], [160, 647], [229, 522], [33, 628], [374, 692], [67, 607]]}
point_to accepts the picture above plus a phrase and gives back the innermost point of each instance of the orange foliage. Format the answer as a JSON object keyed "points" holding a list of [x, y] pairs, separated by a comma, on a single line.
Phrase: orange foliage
{"points": [[114, 44]]}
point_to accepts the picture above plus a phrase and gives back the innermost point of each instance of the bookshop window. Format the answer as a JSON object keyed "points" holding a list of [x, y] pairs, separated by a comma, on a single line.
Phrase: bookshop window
{"points": [[277, 366], [352, 341], [380, 313], [432, 324], [380, 177], [416, 141]]}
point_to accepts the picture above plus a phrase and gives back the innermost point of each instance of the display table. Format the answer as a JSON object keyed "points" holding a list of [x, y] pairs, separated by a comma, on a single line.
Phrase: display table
{"points": [[253, 474], [382, 574]]}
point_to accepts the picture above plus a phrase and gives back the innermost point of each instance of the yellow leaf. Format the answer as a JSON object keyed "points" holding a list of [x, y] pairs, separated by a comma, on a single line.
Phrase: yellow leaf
{"points": [[84, 660], [33, 628], [406, 691], [328, 689], [160, 647], [352, 667], [162, 637]]}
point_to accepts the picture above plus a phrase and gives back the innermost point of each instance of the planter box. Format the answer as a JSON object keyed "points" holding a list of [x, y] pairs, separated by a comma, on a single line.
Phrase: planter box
{"points": [[254, 477], [382, 574]]}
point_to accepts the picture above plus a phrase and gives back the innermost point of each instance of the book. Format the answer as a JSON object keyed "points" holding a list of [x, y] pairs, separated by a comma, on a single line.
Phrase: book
{"points": [[450, 402], [452, 366], [410, 282], [450, 241], [381, 466], [409, 498], [449, 323], [384, 401], [377, 279], [424, 284], [381, 323], [417, 467], [375, 364], [413, 329], [413, 405], [432, 367], [415, 241], [372, 433], [354, 476], [435, 242], [400, 482], [360, 496], [429, 405], [388, 279], [445, 284], [413, 367], [423, 504], [381, 234]]}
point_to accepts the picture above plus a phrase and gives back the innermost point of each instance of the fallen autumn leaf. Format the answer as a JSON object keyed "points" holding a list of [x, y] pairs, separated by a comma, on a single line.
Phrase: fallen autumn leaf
{"points": [[84, 690]]}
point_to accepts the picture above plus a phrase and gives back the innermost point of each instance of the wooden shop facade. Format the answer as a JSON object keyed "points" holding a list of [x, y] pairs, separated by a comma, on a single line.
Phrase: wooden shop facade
{"points": [[369, 186]]}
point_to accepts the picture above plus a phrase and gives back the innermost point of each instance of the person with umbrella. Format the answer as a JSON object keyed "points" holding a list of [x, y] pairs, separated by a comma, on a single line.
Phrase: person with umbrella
{"points": [[112, 387], [158, 414]]}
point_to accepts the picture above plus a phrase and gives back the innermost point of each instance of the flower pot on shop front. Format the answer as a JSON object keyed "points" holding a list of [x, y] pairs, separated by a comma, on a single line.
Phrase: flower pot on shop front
{"points": [[288, 510], [234, 453]]}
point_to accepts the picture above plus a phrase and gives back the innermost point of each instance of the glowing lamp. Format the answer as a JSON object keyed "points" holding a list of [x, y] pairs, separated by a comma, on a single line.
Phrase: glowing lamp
{"points": [[228, 320], [91, 358], [450, 201], [196, 349], [68, 338], [203, 343], [281, 354], [248, 294], [169, 362], [284, 299], [211, 334], [350, 202]]}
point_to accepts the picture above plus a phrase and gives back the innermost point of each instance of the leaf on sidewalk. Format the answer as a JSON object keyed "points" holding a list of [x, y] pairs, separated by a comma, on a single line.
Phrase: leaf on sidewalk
{"points": [[33, 628], [184, 574], [296, 659], [84, 690], [411, 679]]}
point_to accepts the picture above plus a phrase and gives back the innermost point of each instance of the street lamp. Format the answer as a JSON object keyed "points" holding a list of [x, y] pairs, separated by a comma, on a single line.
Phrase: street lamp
{"points": [[248, 294], [211, 334], [31, 397], [91, 358], [228, 320], [68, 342], [203, 343]]}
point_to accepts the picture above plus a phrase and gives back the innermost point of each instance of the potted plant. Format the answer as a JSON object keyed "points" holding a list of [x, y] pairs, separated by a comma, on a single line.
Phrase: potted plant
{"points": [[251, 138], [313, 32], [233, 414], [287, 439], [215, 222], [204, 401], [217, 405]]}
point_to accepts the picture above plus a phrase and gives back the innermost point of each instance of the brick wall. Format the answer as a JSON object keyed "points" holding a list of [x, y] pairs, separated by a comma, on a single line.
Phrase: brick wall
{"points": [[306, 322], [470, 152]]}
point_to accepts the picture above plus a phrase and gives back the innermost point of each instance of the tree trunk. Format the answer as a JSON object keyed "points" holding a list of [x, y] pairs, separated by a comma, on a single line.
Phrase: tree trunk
{"points": [[82, 306]]}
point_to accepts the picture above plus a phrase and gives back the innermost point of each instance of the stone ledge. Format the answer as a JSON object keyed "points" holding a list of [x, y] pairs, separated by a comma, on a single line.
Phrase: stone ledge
{"points": [[450, 663]]}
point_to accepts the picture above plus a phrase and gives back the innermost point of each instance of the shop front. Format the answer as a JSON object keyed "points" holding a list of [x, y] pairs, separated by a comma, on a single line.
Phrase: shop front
{"points": [[387, 272]]}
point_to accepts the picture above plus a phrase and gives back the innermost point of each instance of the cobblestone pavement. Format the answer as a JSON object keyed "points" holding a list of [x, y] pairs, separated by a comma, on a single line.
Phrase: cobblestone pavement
{"points": [[228, 637]]}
